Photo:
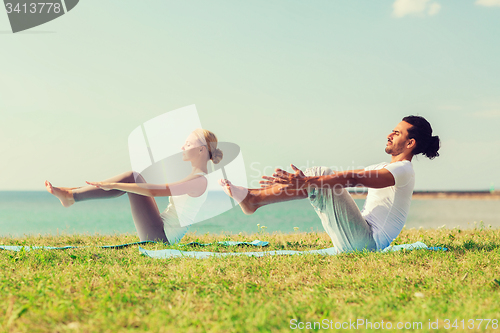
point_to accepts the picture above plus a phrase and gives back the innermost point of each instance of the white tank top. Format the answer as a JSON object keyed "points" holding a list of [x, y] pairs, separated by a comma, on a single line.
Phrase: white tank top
{"points": [[184, 208]]}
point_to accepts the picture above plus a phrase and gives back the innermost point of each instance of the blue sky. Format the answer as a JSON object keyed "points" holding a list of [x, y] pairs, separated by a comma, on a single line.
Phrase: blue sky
{"points": [[303, 82]]}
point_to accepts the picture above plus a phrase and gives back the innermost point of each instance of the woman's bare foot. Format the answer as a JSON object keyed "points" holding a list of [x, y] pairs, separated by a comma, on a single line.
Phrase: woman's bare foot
{"points": [[243, 196], [64, 194]]}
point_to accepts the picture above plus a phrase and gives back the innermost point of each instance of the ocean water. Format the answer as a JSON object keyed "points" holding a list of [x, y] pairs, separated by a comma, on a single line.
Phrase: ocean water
{"points": [[40, 213]]}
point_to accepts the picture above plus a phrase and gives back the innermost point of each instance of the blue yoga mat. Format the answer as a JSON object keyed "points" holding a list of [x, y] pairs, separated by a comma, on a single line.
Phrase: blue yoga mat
{"points": [[230, 243], [167, 254], [119, 246], [28, 248]]}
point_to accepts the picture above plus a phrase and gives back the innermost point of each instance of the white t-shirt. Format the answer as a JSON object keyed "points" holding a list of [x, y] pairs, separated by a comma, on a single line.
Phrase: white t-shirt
{"points": [[386, 209]]}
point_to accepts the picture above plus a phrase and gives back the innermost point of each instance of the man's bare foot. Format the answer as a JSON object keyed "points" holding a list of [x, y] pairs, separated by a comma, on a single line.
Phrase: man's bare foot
{"points": [[64, 194], [243, 196]]}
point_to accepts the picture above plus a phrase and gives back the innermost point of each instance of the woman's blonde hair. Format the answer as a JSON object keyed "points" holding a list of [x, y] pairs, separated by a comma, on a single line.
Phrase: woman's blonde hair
{"points": [[214, 153]]}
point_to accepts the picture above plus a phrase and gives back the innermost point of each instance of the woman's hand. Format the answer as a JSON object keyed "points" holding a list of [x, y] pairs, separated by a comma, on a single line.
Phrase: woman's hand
{"points": [[102, 185]]}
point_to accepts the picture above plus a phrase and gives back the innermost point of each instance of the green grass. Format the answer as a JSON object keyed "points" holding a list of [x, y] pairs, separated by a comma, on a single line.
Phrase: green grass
{"points": [[97, 290]]}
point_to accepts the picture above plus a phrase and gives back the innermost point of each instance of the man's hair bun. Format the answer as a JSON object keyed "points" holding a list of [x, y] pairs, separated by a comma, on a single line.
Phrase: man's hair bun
{"points": [[433, 147], [421, 131]]}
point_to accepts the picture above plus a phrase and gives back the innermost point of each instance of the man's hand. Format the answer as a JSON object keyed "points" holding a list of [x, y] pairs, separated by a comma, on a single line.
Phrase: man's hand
{"points": [[267, 182], [292, 181]]}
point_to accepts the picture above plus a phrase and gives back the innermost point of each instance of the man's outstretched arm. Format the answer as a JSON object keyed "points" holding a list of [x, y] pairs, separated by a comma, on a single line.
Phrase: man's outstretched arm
{"points": [[352, 178], [371, 178]]}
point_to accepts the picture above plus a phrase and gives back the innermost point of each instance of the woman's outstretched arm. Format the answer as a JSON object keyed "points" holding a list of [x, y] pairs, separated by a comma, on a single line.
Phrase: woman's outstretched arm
{"points": [[193, 186]]}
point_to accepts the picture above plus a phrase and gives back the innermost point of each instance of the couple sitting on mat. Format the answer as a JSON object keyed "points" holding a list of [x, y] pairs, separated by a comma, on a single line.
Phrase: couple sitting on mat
{"points": [[390, 187]]}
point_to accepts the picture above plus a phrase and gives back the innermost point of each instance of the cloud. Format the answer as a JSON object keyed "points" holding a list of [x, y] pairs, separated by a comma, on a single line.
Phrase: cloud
{"points": [[434, 8], [488, 3], [417, 7], [487, 114], [449, 107]]}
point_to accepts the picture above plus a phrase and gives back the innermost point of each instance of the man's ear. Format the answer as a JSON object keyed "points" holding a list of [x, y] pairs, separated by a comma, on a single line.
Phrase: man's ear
{"points": [[411, 143]]}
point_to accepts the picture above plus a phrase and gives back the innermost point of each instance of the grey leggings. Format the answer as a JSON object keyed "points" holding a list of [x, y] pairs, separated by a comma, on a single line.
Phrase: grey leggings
{"points": [[145, 212]]}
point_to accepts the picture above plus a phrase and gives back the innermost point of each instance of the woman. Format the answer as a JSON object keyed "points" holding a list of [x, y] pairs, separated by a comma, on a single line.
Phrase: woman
{"points": [[199, 148]]}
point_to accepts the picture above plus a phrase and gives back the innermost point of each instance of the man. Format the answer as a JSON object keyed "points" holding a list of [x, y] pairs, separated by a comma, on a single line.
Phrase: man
{"points": [[390, 187]]}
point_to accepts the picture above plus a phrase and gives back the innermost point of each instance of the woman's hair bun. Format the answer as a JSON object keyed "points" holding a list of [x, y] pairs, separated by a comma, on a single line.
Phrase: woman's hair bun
{"points": [[217, 156]]}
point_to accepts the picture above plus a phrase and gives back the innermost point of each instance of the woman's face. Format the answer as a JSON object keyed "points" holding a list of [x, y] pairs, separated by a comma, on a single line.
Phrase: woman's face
{"points": [[191, 148]]}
